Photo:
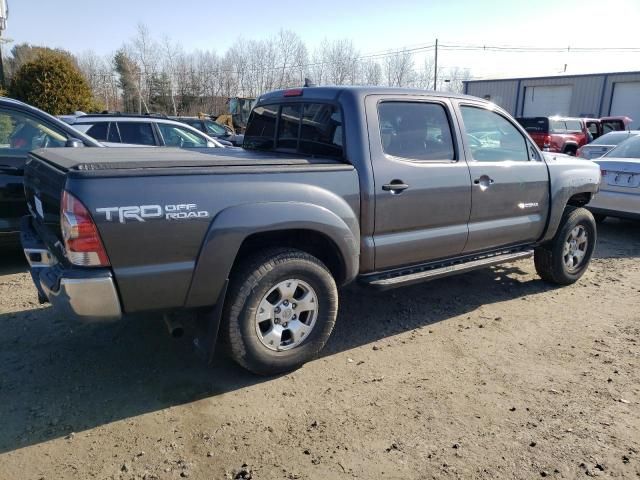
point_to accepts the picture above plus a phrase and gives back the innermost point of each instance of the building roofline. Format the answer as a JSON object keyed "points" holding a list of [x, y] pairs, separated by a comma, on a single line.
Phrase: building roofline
{"points": [[551, 77]]}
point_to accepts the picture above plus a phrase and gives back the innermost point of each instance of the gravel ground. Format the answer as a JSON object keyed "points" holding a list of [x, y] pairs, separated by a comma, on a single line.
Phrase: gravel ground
{"points": [[492, 374]]}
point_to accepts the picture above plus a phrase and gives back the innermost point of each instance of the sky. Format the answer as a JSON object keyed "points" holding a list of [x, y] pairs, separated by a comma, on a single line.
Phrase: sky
{"points": [[373, 25]]}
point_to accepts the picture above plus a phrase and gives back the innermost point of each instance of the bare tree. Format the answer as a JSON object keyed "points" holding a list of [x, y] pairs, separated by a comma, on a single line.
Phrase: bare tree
{"points": [[399, 69]]}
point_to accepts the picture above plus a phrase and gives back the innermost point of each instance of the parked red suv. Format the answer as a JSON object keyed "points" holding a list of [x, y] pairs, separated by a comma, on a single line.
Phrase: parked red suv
{"points": [[556, 134]]}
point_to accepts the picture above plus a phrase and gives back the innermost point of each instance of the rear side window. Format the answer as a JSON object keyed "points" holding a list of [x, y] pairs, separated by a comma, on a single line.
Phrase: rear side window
{"points": [[557, 126], [138, 133], [99, 131], [573, 125], [308, 128], [415, 130]]}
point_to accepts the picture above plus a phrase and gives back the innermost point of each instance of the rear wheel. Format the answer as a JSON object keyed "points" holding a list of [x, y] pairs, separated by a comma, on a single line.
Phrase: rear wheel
{"points": [[570, 150], [280, 312], [565, 259]]}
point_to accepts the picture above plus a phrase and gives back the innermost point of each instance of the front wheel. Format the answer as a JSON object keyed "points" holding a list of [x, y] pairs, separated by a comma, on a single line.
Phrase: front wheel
{"points": [[565, 259], [280, 311]]}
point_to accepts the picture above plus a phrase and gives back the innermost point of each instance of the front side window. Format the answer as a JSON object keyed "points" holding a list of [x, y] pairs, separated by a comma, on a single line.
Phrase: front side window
{"points": [[491, 137], [136, 133], [175, 136], [415, 130]]}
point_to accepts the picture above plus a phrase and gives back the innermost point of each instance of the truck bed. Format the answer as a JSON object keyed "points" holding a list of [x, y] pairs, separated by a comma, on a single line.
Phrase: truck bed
{"points": [[77, 162]]}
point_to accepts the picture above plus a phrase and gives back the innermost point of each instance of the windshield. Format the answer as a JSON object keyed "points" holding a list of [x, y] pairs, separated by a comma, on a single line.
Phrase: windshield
{"points": [[628, 149]]}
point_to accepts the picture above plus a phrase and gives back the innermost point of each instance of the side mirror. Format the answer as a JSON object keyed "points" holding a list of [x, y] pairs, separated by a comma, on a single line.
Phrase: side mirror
{"points": [[74, 143]]}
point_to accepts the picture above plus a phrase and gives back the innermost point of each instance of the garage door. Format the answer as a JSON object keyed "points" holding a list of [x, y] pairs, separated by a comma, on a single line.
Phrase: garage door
{"points": [[626, 101], [545, 101]]}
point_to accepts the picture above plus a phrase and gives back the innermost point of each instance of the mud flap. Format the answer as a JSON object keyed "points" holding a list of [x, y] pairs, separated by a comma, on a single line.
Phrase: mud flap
{"points": [[208, 326]]}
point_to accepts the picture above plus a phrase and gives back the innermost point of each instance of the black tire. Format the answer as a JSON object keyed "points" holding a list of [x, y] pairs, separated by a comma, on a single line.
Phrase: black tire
{"points": [[249, 285], [549, 258], [599, 218], [571, 151]]}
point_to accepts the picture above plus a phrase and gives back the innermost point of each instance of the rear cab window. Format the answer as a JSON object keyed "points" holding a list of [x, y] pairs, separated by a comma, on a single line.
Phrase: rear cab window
{"points": [[309, 128], [534, 124]]}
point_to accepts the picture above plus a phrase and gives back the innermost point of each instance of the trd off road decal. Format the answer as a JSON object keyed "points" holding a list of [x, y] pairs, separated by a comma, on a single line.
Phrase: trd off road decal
{"points": [[181, 211]]}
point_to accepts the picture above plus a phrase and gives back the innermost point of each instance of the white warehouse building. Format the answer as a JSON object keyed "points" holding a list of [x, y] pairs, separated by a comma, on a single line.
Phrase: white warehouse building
{"points": [[593, 95]]}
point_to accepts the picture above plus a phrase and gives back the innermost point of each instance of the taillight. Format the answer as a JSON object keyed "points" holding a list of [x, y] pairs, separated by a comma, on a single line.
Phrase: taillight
{"points": [[547, 141], [81, 239]]}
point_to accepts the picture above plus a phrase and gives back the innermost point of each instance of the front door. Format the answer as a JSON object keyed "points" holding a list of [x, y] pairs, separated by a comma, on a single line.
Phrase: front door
{"points": [[510, 181], [422, 185]]}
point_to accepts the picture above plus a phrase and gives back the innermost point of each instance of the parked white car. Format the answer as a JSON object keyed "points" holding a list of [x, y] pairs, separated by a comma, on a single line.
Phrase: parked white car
{"points": [[619, 194]]}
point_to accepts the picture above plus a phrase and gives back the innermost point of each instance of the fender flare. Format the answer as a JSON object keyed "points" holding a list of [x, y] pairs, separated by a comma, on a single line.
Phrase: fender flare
{"points": [[232, 226]]}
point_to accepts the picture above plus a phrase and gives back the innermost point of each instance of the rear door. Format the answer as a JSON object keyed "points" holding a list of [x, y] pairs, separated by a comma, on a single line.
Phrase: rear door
{"points": [[422, 185], [510, 182]]}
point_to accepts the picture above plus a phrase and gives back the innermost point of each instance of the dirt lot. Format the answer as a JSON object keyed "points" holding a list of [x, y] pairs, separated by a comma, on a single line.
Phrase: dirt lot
{"points": [[488, 375]]}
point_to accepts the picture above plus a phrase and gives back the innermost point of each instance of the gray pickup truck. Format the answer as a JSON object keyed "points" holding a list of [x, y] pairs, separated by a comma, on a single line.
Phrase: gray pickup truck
{"points": [[388, 187]]}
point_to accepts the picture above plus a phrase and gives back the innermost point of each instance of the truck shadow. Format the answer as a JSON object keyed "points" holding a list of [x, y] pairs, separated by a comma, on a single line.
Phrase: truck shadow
{"points": [[58, 376]]}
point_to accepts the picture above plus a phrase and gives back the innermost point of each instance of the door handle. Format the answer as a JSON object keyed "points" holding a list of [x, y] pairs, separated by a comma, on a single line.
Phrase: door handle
{"points": [[395, 187], [484, 181]]}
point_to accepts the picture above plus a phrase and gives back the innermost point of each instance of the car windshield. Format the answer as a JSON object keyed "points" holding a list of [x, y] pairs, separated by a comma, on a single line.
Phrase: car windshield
{"points": [[613, 138], [628, 149]]}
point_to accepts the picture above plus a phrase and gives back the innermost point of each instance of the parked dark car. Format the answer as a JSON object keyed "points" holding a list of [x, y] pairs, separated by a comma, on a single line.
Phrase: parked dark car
{"points": [[213, 129], [389, 187], [22, 129], [556, 134]]}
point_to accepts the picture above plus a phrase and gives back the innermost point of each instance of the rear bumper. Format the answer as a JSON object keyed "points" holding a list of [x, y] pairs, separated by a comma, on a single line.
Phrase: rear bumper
{"points": [[616, 204], [89, 295]]}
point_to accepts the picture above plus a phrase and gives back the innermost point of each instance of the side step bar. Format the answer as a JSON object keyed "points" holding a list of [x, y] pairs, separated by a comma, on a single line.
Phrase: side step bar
{"points": [[432, 272]]}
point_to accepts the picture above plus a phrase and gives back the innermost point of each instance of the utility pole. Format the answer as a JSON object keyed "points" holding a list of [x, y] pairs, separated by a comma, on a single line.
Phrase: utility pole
{"points": [[435, 69]]}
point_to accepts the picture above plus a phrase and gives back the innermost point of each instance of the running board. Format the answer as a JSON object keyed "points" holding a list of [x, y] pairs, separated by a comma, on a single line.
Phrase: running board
{"points": [[426, 273]]}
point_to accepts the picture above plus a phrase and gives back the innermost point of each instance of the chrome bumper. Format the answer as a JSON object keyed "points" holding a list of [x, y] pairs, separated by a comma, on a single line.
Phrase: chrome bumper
{"points": [[89, 295]]}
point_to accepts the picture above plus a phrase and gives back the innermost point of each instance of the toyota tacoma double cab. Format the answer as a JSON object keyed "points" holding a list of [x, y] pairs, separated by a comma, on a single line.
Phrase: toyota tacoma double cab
{"points": [[386, 187]]}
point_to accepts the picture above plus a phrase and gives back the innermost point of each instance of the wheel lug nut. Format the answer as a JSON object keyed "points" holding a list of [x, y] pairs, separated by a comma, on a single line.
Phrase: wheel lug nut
{"points": [[294, 305], [277, 321], [294, 317], [285, 303], [285, 324], [277, 310]]}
